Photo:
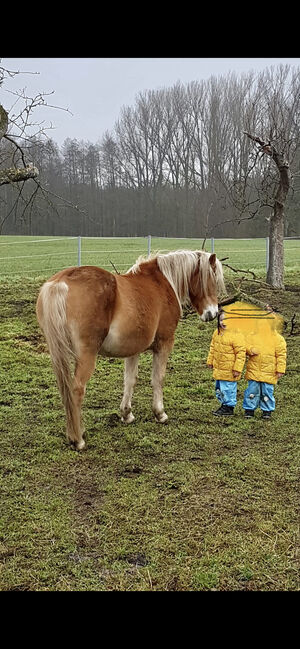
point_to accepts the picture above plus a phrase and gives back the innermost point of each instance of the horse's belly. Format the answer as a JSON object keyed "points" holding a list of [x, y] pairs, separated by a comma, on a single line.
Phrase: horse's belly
{"points": [[123, 341]]}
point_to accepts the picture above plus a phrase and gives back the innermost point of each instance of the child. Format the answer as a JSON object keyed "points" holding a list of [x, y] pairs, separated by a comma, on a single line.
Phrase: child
{"points": [[227, 358], [266, 364]]}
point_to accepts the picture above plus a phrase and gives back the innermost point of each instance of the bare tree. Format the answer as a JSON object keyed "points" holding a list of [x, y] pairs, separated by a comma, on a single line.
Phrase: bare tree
{"points": [[14, 174], [19, 170], [275, 274], [276, 135], [19, 135], [256, 180]]}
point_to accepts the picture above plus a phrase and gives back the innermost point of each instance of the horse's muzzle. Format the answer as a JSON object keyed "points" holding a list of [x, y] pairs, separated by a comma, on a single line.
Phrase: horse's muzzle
{"points": [[209, 314]]}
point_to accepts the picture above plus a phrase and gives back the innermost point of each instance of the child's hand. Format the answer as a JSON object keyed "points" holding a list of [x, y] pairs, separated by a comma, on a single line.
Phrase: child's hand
{"points": [[235, 374], [210, 367], [279, 374], [253, 352]]}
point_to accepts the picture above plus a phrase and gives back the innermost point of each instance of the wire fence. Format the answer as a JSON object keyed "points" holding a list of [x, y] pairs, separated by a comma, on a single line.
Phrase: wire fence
{"points": [[75, 251], [119, 253]]}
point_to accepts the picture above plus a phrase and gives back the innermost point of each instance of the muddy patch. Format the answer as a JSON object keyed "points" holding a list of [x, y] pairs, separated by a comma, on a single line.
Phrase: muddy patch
{"points": [[135, 559], [34, 341]]}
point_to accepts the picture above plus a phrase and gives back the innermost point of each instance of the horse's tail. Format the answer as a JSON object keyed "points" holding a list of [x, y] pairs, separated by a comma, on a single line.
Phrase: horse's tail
{"points": [[51, 313]]}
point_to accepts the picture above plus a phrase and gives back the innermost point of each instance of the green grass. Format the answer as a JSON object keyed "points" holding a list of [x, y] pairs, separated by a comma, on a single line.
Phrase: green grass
{"points": [[196, 504], [43, 256]]}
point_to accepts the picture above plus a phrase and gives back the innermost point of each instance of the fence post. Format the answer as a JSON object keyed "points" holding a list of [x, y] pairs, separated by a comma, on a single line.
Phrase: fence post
{"points": [[267, 252], [79, 251], [149, 244], [212, 244]]}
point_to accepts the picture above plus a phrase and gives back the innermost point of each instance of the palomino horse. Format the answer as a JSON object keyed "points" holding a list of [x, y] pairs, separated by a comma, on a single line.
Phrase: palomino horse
{"points": [[85, 311]]}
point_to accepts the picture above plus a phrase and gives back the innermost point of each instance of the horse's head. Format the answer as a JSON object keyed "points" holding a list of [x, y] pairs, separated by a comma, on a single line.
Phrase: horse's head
{"points": [[204, 284]]}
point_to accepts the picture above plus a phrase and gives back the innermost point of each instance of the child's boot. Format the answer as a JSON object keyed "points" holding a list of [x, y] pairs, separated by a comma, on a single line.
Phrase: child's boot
{"points": [[266, 414], [224, 410]]}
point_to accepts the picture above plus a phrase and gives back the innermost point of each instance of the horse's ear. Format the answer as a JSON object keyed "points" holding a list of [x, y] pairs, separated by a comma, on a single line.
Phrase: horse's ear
{"points": [[212, 261]]}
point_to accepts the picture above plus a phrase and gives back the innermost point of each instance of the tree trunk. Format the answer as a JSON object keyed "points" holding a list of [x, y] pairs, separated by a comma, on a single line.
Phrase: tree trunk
{"points": [[3, 122], [275, 274]]}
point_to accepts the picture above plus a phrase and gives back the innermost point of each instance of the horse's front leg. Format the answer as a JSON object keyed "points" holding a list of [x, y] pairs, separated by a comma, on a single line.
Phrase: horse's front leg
{"points": [[130, 376], [160, 359]]}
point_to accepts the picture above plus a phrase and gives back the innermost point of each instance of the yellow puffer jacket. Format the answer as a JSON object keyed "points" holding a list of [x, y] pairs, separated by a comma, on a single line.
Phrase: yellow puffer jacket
{"points": [[271, 357], [227, 353]]}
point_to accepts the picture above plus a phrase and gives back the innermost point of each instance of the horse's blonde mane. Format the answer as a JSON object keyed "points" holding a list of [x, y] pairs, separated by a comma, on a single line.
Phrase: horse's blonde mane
{"points": [[178, 268]]}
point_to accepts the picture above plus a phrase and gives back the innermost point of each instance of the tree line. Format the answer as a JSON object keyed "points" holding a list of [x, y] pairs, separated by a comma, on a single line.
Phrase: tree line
{"points": [[178, 163]]}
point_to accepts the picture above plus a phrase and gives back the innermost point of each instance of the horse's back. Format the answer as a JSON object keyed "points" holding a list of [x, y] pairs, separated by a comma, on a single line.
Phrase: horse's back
{"points": [[90, 300], [82, 274]]}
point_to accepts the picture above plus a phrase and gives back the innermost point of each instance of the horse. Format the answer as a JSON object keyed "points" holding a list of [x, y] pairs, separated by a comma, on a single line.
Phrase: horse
{"points": [[86, 311]]}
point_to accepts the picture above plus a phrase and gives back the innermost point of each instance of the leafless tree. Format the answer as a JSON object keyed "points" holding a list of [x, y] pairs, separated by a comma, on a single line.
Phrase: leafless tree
{"points": [[276, 137], [19, 135], [263, 109]]}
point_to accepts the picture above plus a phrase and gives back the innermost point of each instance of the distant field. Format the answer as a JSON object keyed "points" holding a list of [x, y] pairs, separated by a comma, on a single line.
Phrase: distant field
{"points": [[42, 256]]}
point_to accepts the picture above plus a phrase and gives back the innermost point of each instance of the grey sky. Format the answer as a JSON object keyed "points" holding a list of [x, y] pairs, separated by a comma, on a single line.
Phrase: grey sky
{"points": [[95, 89]]}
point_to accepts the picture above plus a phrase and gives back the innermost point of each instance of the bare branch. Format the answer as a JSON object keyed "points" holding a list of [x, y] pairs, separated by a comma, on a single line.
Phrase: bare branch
{"points": [[113, 265], [64, 200], [14, 175], [266, 147], [17, 147]]}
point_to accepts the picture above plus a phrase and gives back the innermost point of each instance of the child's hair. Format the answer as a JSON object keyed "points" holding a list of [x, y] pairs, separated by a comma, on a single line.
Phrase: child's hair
{"points": [[220, 313]]}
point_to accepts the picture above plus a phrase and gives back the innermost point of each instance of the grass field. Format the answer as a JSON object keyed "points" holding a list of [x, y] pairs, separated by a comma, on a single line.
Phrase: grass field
{"points": [[43, 256], [196, 504]]}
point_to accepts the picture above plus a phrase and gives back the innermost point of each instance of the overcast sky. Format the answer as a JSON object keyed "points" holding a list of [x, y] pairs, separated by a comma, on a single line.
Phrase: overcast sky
{"points": [[95, 89]]}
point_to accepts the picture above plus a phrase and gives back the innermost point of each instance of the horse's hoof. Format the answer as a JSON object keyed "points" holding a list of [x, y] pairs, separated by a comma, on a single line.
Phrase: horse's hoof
{"points": [[129, 419], [80, 445], [161, 419]]}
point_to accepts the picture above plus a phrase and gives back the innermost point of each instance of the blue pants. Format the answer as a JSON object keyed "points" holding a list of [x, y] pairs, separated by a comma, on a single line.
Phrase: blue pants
{"points": [[259, 394], [226, 392]]}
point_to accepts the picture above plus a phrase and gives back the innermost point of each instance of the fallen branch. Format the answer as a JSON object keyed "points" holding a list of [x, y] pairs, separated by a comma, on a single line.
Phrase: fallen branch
{"points": [[253, 300], [293, 320], [243, 297], [260, 281], [239, 270], [229, 300]]}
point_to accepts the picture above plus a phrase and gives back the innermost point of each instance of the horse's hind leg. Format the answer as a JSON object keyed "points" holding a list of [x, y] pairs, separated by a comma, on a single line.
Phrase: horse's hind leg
{"points": [[160, 359], [83, 371], [130, 376]]}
